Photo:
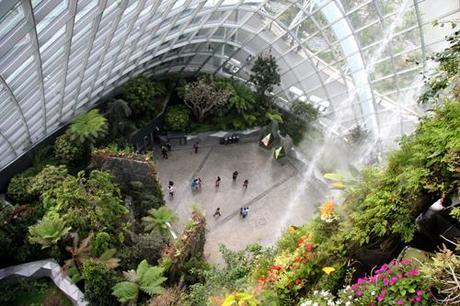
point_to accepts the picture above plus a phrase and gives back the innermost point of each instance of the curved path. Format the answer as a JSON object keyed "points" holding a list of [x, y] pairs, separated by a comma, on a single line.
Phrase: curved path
{"points": [[271, 187]]}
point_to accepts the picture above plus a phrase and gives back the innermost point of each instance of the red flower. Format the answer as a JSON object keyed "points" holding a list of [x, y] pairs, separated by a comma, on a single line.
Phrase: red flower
{"points": [[309, 247], [298, 259], [276, 267], [300, 241], [298, 281], [261, 280]]}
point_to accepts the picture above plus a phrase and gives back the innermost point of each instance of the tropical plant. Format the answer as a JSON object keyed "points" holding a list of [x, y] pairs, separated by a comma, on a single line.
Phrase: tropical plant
{"points": [[172, 296], [100, 243], [147, 278], [80, 253], [158, 219], [177, 118], [241, 98], [87, 128], [203, 96], [265, 75], [48, 231], [47, 179], [89, 204], [274, 116], [139, 93]]}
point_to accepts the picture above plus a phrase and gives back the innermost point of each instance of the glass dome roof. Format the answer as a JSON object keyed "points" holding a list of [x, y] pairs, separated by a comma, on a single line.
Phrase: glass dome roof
{"points": [[359, 61]]}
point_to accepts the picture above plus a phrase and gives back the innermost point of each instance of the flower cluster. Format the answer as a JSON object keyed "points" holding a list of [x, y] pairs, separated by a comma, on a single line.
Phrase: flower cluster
{"points": [[325, 298], [291, 271], [396, 283], [327, 211]]}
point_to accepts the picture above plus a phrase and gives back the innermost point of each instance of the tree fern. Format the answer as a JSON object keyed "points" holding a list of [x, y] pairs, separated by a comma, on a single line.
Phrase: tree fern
{"points": [[88, 127], [158, 219]]}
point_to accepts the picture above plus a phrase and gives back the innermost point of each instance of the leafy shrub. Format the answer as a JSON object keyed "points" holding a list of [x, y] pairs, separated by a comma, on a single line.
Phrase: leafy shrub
{"points": [[305, 111], [100, 243], [177, 118], [99, 281], [66, 150], [47, 179], [139, 93], [18, 188], [172, 296]]}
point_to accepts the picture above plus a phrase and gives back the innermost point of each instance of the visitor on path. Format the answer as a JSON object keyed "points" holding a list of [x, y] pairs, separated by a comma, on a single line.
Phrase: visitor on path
{"points": [[245, 184], [244, 211], [217, 213], [200, 183], [195, 184], [195, 147], [164, 152], [171, 190], [168, 146], [235, 175], [171, 183], [218, 182]]}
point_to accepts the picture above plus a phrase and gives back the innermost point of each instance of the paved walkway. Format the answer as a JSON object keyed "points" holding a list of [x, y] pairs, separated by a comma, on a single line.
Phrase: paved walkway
{"points": [[274, 196]]}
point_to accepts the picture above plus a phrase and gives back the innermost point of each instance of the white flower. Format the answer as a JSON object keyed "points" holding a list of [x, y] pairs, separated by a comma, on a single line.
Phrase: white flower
{"points": [[307, 303], [348, 303], [315, 292], [373, 293], [315, 304]]}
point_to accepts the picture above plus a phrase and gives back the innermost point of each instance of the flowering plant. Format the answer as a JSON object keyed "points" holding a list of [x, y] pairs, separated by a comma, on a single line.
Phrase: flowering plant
{"points": [[396, 283], [327, 211], [324, 297]]}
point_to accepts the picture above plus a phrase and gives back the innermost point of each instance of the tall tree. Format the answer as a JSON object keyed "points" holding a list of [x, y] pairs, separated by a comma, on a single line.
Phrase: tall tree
{"points": [[203, 96], [265, 75]]}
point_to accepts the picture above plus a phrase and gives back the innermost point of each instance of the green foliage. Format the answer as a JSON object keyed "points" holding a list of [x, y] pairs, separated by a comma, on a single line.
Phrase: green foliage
{"points": [[305, 111], [18, 188], [265, 75], [444, 80], [158, 219], [241, 98], [89, 204], [177, 118], [139, 93], [99, 281], [240, 298], [67, 151], [48, 231], [87, 128], [118, 114], [147, 278], [47, 179], [100, 243], [274, 116]]}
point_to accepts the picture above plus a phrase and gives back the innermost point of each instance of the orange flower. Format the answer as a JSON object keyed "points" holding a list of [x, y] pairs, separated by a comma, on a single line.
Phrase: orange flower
{"points": [[327, 210], [276, 267], [261, 280], [300, 241], [298, 281]]}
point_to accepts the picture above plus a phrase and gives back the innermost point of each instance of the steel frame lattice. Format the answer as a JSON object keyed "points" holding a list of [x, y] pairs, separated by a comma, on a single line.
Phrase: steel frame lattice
{"points": [[60, 57]]}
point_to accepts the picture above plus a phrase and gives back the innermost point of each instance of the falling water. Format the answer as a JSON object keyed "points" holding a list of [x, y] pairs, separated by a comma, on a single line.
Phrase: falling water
{"points": [[311, 165]]}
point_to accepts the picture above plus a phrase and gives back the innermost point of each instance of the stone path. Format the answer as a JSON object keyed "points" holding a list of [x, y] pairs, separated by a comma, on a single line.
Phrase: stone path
{"points": [[271, 195]]}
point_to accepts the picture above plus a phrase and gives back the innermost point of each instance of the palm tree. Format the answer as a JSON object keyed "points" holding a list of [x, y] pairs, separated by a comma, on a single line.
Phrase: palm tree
{"points": [[146, 278], [88, 127], [48, 231], [160, 218]]}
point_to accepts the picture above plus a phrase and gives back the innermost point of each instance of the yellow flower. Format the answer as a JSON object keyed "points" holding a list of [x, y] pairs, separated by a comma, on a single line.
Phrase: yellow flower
{"points": [[328, 270], [338, 185], [291, 230]]}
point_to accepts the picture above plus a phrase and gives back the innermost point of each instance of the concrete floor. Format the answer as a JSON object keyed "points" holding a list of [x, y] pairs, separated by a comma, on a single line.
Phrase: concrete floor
{"points": [[275, 196]]}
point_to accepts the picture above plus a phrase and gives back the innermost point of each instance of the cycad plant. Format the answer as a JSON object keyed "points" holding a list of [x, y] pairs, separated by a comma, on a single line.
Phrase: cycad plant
{"points": [[158, 219], [48, 231], [146, 278], [88, 127]]}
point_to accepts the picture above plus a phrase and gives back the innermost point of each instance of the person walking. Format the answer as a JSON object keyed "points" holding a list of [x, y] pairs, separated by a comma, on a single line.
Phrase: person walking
{"points": [[200, 183], [218, 182], [217, 212], [164, 152], [171, 190], [245, 184], [235, 175], [195, 147], [168, 146]]}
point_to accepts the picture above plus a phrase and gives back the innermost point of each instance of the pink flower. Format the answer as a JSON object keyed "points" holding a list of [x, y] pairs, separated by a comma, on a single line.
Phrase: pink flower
{"points": [[400, 302], [411, 300], [359, 293], [354, 286], [418, 298], [386, 282], [360, 281], [394, 280], [400, 276], [380, 298], [413, 272], [419, 293]]}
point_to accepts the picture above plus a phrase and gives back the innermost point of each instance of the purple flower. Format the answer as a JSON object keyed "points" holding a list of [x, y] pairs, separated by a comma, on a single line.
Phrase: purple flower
{"points": [[386, 282], [400, 302], [359, 293], [380, 298], [419, 293]]}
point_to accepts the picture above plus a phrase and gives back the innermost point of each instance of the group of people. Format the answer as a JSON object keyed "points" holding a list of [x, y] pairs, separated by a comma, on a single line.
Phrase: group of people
{"points": [[197, 183], [244, 211]]}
